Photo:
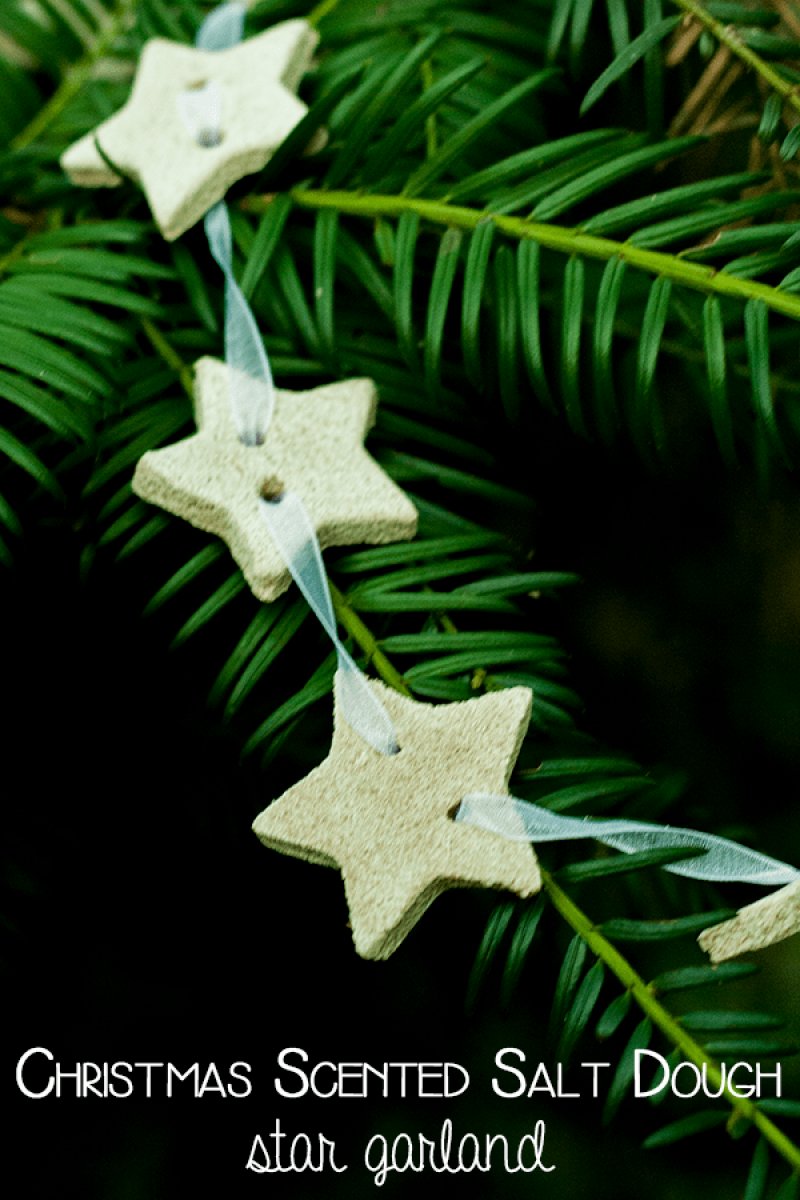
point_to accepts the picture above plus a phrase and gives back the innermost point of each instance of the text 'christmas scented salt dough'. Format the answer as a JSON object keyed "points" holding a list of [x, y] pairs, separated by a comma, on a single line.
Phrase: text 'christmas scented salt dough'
{"points": [[313, 447], [386, 821], [182, 172]]}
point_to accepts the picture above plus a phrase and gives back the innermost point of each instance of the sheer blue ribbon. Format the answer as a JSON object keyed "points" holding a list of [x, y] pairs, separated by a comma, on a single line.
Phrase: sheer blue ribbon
{"points": [[252, 391], [252, 397], [293, 534], [723, 860], [222, 28]]}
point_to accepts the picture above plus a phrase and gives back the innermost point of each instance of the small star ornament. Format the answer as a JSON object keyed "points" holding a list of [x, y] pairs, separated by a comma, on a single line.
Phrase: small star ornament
{"points": [[184, 170], [313, 447], [770, 919], [386, 821]]}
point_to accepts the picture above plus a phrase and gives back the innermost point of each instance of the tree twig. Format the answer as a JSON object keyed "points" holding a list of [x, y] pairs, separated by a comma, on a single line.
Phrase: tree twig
{"points": [[77, 75], [697, 276], [730, 37]]}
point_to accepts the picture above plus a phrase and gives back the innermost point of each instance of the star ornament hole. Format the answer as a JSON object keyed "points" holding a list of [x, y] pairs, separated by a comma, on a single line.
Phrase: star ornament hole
{"points": [[208, 139], [250, 439], [272, 490]]}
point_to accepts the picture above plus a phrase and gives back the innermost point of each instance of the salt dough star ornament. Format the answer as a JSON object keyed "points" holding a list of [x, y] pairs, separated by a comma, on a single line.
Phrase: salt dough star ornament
{"points": [[149, 140], [766, 921], [386, 820], [313, 447]]}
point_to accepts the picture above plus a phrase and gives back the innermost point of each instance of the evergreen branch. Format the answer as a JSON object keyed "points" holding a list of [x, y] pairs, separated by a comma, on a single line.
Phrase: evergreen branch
{"points": [[169, 355], [431, 137], [77, 75], [729, 37], [366, 640], [645, 997], [643, 993], [321, 10], [570, 241], [17, 251]]}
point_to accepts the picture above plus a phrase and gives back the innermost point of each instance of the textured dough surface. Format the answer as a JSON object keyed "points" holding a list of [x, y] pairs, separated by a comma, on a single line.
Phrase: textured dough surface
{"points": [[386, 820], [148, 139], [314, 447]]}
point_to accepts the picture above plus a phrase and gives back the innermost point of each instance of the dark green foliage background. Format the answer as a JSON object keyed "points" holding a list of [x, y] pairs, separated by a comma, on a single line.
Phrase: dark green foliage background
{"points": [[584, 332]]}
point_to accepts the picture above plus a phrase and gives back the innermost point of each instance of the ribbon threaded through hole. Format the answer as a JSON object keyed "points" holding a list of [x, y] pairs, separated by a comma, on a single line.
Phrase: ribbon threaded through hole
{"points": [[200, 106]]}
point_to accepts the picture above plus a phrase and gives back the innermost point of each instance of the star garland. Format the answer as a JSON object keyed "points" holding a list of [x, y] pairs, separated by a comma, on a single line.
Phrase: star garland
{"points": [[413, 798]]}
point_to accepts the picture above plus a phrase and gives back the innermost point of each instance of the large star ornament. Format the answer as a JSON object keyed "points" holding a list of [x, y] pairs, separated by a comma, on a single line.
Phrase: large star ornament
{"points": [[149, 138], [313, 447], [386, 820]]}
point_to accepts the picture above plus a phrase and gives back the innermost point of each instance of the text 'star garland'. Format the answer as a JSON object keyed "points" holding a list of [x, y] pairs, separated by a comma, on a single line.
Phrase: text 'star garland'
{"points": [[446, 1153]]}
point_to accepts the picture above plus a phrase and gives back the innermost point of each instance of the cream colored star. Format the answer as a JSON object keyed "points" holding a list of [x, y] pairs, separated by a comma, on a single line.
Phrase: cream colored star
{"points": [[386, 820], [313, 447], [149, 139], [768, 920]]}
